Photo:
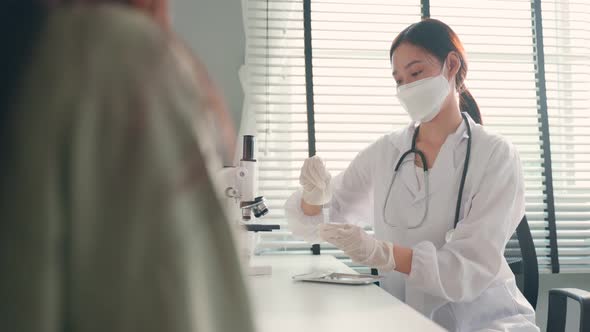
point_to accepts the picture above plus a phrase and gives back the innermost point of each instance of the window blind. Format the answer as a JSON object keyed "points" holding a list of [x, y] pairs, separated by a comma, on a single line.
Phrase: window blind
{"points": [[498, 39], [567, 58], [276, 98], [354, 91], [355, 99]]}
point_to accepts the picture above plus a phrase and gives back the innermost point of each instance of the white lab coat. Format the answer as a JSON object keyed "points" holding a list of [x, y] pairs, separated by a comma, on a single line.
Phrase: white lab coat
{"points": [[465, 284]]}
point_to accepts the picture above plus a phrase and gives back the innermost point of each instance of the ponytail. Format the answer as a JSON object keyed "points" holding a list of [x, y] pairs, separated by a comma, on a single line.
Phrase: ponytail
{"points": [[468, 104]]}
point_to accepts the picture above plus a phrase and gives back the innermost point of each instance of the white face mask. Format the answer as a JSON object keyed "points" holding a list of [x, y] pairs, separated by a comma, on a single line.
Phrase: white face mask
{"points": [[423, 99]]}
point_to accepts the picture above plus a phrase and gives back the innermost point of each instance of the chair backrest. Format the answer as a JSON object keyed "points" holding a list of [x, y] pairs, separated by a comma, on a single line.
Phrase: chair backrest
{"points": [[524, 264]]}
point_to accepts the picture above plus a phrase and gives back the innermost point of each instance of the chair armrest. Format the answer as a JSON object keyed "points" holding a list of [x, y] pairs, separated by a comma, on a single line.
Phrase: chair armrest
{"points": [[558, 308]]}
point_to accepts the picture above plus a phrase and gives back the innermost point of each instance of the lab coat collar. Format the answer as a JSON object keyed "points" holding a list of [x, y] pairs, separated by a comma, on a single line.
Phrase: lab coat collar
{"points": [[438, 176], [402, 139], [461, 133], [444, 163]]}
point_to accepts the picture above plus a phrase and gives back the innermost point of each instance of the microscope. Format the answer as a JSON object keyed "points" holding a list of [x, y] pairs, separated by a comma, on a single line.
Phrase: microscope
{"points": [[240, 187]]}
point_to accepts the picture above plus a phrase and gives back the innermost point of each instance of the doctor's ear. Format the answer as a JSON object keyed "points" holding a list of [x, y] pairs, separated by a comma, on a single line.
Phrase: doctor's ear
{"points": [[453, 63]]}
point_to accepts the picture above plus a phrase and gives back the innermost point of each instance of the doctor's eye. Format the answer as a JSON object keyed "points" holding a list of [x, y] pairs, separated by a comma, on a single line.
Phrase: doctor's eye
{"points": [[416, 73], [398, 82]]}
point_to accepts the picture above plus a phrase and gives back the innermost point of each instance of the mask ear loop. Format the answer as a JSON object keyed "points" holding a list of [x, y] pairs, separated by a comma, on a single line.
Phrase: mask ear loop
{"points": [[444, 68], [442, 73]]}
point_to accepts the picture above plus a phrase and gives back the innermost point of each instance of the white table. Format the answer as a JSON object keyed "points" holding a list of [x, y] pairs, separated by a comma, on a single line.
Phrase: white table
{"points": [[281, 304]]}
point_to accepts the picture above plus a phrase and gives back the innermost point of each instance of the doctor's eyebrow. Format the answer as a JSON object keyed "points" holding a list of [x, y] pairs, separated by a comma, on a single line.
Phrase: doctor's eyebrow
{"points": [[408, 66]]}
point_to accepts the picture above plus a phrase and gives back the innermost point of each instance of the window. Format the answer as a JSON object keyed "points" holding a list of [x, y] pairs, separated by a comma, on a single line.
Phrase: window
{"points": [[276, 98], [498, 39], [567, 69], [355, 103]]}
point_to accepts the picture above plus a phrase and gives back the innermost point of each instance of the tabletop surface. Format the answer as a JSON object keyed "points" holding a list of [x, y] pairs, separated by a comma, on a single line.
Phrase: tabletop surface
{"points": [[281, 304]]}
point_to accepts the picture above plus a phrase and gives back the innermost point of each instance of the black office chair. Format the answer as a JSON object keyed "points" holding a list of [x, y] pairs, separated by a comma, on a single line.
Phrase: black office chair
{"points": [[526, 270], [522, 259]]}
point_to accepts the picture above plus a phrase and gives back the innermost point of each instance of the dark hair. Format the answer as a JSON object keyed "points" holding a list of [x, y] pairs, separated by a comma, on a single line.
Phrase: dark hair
{"points": [[439, 39], [21, 22]]}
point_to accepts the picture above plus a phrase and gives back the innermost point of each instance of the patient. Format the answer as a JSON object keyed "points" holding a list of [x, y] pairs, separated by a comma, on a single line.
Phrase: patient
{"points": [[108, 217]]}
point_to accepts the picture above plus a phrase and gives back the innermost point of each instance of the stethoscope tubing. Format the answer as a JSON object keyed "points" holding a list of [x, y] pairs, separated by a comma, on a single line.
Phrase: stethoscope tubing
{"points": [[414, 150]]}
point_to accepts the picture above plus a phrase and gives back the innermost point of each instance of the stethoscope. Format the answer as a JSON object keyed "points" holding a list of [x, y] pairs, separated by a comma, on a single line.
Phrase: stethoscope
{"points": [[414, 150]]}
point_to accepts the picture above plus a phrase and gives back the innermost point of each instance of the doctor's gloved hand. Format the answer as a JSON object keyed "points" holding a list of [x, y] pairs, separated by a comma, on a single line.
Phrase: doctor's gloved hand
{"points": [[360, 246], [315, 180]]}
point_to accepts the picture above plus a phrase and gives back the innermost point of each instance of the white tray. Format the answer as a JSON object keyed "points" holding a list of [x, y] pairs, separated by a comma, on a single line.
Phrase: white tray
{"points": [[338, 278]]}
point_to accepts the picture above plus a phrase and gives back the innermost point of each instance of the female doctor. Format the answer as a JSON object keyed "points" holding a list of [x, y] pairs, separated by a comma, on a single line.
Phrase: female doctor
{"points": [[443, 195]]}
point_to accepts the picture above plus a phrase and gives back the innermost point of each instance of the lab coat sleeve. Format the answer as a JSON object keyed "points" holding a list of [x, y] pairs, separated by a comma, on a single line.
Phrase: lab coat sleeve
{"points": [[352, 197], [464, 267]]}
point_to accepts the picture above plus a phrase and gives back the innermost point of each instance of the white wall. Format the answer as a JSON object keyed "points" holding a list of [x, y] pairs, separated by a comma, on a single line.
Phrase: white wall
{"points": [[214, 30], [549, 281]]}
